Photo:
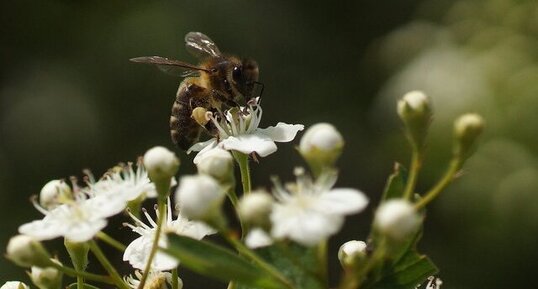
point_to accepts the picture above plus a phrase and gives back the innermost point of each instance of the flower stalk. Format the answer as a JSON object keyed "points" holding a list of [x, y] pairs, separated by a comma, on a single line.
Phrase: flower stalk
{"points": [[244, 168], [114, 275], [111, 241]]}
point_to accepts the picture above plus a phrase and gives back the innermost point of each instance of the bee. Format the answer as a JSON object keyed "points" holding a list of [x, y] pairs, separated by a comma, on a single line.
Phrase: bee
{"points": [[217, 83]]}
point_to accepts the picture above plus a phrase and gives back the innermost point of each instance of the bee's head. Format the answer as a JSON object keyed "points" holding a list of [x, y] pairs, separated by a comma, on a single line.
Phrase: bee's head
{"points": [[245, 76]]}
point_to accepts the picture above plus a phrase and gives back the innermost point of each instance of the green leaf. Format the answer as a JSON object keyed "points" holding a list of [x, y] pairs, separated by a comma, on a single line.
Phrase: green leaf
{"points": [[299, 264], [413, 269], [86, 286], [217, 262], [395, 186]]}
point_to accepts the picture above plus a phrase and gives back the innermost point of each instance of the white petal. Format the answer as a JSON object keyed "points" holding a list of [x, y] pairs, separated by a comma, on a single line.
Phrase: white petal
{"points": [[282, 132], [84, 231], [211, 144], [41, 230], [138, 251], [342, 201], [193, 229], [201, 145], [262, 144], [257, 238]]}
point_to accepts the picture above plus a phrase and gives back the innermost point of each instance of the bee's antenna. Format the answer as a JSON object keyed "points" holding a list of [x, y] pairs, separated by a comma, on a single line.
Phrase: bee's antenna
{"points": [[261, 84]]}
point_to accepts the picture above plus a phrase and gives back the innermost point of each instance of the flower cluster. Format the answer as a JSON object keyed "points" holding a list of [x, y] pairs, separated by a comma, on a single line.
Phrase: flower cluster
{"points": [[288, 224]]}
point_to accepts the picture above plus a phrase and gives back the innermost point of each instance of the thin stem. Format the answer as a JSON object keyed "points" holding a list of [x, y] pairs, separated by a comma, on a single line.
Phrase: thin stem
{"points": [[453, 168], [162, 210], [80, 282], [242, 160], [74, 273], [413, 174], [175, 283], [116, 278], [322, 259], [244, 251], [111, 241]]}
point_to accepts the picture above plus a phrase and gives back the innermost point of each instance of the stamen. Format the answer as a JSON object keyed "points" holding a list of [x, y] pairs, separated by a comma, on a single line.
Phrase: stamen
{"points": [[37, 206]]}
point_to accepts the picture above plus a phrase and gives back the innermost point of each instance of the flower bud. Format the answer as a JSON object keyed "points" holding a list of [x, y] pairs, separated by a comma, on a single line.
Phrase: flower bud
{"points": [[46, 278], [161, 164], [199, 197], [14, 285], [25, 251], [255, 208], [54, 193], [321, 145], [351, 252], [258, 238], [415, 111], [217, 163], [466, 129], [397, 219]]}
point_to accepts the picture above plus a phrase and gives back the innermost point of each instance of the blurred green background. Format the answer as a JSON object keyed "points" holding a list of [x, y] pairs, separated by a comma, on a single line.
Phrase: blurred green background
{"points": [[69, 100]]}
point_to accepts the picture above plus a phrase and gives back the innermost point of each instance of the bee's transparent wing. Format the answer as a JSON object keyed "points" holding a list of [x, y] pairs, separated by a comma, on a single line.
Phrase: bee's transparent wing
{"points": [[171, 66], [201, 46]]}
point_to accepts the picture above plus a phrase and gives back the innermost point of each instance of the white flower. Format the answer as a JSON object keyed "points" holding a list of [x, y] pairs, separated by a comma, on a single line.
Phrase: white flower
{"points": [[309, 212], [199, 196], [14, 285], [26, 251], [155, 280], [396, 218], [238, 131], [161, 163], [46, 277], [138, 251], [77, 222], [257, 238], [350, 251]]}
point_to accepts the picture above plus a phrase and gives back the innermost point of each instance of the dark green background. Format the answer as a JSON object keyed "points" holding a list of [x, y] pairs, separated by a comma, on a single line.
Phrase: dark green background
{"points": [[69, 100]]}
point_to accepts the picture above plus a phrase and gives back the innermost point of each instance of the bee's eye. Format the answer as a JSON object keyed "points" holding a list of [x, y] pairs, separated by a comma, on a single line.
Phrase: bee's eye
{"points": [[236, 73]]}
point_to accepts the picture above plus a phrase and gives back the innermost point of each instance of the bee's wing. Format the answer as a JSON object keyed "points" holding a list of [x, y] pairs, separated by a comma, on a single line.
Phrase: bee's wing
{"points": [[170, 66], [201, 46]]}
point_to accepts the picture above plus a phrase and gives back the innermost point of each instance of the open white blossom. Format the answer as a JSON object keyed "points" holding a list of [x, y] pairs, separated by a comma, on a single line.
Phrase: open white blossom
{"points": [[155, 280], [239, 131], [14, 285], [138, 251], [309, 211]]}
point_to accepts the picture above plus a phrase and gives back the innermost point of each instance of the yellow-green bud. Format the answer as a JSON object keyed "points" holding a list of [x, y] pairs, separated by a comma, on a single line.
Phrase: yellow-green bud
{"points": [[46, 278], [161, 164], [321, 145], [14, 285], [217, 163], [466, 129], [351, 253], [25, 251], [416, 112], [255, 208]]}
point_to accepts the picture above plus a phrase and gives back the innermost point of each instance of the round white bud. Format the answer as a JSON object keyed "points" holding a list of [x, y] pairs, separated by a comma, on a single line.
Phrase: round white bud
{"points": [[351, 251], [321, 145], [25, 251], [161, 164], [14, 285], [54, 193], [217, 163], [413, 101], [46, 278], [255, 208], [397, 219], [199, 197]]}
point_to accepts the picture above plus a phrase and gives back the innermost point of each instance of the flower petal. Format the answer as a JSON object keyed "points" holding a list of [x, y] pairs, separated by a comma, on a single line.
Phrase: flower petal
{"points": [[208, 146], [257, 238], [342, 201], [201, 145], [138, 251], [262, 144], [282, 132]]}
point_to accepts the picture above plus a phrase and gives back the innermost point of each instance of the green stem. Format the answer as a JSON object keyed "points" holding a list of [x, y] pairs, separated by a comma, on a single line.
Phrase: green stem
{"points": [[116, 278], [242, 160], [453, 168], [244, 251], [111, 241], [74, 273], [175, 283], [162, 210], [413, 174], [80, 282], [322, 258]]}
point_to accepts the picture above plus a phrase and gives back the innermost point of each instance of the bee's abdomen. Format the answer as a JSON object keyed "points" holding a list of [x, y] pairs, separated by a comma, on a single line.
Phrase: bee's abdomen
{"points": [[184, 131]]}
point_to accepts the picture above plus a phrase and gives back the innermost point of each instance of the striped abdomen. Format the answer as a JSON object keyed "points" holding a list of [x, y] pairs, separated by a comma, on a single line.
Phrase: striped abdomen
{"points": [[184, 130]]}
